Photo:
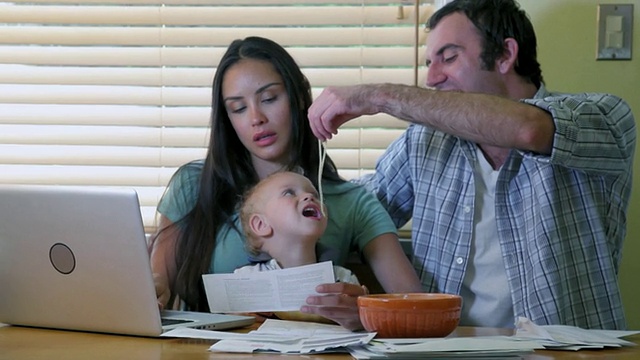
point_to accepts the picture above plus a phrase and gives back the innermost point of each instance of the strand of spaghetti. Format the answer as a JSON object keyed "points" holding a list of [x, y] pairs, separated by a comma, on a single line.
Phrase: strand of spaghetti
{"points": [[322, 155]]}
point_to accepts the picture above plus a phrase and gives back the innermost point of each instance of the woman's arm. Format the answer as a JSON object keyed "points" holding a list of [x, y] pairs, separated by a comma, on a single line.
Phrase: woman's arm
{"points": [[392, 269], [390, 265], [163, 263]]}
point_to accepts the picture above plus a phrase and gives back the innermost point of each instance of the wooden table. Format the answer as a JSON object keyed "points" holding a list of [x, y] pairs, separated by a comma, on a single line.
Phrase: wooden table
{"points": [[29, 343]]}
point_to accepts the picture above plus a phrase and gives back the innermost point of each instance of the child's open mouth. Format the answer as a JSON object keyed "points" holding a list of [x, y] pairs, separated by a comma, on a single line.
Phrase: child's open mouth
{"points": [[312, 211]]}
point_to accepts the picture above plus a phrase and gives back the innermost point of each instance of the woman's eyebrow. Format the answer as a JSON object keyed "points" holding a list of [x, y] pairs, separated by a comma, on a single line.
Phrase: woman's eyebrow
{"points": [[263, 88], [258, 91]]}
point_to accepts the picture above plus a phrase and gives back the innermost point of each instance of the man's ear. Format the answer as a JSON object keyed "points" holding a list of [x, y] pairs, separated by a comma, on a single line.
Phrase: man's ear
{"points": [[509, 58], [260, 226]]}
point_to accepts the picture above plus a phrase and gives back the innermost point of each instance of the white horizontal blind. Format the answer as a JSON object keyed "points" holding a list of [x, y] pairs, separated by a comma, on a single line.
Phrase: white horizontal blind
{"points": [[117, 93]]}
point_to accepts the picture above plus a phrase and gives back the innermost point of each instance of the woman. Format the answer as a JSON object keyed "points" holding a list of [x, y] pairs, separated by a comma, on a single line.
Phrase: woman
{"points": [[259, 126]]}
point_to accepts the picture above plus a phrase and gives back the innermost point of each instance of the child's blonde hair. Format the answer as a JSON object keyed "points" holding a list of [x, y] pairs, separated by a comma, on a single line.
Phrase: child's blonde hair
{"points": [[249, 206]]}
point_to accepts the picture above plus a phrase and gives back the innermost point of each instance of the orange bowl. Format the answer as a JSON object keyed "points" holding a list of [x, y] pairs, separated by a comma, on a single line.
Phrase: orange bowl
{"points": [[417, 315]]}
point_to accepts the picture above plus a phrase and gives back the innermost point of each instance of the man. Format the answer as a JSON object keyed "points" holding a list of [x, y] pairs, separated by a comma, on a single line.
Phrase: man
{"points": [[518, 196]]}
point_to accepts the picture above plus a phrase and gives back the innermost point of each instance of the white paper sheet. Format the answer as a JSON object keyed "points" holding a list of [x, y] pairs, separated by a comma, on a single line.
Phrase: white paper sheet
{"points": [[292, 337], [275, 290], [562, 337], [461, 344], [287, 337]]}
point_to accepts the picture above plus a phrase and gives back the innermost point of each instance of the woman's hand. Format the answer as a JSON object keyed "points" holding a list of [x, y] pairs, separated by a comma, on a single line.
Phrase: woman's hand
{"points": [[162, 290], [338, 304], [162, 247]]}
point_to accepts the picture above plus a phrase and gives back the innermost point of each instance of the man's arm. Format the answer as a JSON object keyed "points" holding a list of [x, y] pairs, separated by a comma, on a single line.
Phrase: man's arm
{"points": [[481, 118]]}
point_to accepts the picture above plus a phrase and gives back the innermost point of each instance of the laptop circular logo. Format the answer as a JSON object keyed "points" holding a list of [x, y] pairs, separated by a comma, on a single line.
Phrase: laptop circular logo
{"points": [[62, 258]]}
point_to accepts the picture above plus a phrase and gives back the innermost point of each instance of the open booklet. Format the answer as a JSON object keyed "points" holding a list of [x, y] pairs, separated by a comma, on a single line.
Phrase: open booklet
{"points": [[275, 290]]}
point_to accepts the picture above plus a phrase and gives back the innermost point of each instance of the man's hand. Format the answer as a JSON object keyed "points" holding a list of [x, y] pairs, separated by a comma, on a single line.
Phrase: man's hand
{"points": [[335, 106]]}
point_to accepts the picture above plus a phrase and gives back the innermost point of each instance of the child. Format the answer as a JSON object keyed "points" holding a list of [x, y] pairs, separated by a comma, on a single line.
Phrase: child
{"points": [[282, 217]]}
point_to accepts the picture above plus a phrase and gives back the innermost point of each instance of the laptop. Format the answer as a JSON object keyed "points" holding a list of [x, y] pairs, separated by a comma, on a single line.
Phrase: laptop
{"points": [[76, 258]]}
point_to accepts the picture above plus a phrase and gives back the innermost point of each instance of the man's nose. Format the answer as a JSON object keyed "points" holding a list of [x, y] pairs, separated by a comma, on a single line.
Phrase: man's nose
{"points": [[434, 76]]}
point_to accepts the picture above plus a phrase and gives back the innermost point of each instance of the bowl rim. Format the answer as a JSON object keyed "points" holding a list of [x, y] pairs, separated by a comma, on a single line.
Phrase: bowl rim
{"points": [[410, 299], [412, 296]]}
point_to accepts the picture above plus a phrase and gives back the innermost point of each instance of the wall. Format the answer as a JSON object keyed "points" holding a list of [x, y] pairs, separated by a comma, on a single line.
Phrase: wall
{"points": [[566, 33]]}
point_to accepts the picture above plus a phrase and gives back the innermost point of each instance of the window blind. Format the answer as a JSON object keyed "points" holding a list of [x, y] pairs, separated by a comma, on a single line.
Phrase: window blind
{"points": [[117, 93]]}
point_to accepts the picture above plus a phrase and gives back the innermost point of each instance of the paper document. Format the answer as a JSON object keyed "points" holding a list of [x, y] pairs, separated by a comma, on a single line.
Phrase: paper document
{"points": [[484, 347], [281, 336], [562, 337], [292, 337], [275, 290]]}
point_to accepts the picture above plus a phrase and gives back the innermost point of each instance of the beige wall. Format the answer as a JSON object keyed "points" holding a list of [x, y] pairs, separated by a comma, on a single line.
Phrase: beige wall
{"points": [[566, 31]]}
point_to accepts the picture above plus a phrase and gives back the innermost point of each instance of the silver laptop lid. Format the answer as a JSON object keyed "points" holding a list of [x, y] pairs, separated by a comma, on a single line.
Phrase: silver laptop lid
{"points": [[75, 258]]}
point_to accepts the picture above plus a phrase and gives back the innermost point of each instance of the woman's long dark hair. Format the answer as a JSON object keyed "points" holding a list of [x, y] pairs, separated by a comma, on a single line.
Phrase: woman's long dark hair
{"points": [[497, 20], [228, 171]]}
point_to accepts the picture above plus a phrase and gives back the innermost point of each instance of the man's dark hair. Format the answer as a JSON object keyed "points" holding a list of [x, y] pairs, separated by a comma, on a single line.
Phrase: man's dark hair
{"points": [[497, 20]]}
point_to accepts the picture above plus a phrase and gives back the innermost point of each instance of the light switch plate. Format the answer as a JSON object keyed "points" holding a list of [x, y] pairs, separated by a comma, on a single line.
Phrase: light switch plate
{"points": [[615, 30]]}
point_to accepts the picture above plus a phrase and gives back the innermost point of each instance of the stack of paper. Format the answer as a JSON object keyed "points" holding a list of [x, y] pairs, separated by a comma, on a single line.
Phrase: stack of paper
{"points": [[528, 338], [485, 347], [293, 337], [560, 337], [287, 337]]}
